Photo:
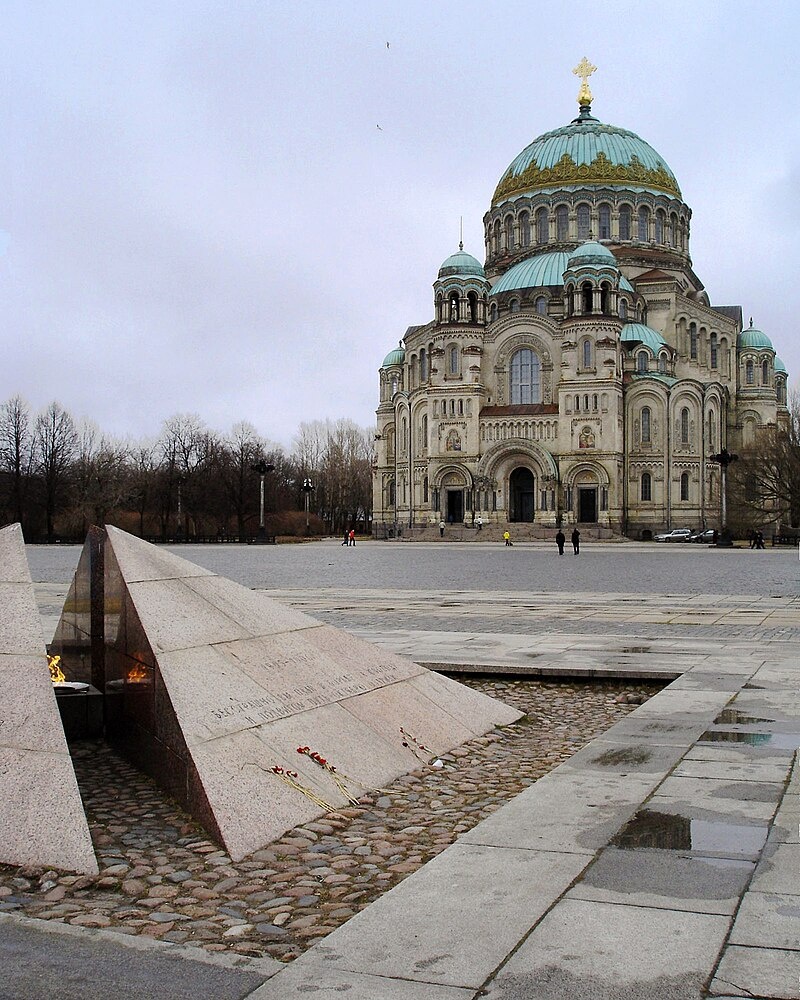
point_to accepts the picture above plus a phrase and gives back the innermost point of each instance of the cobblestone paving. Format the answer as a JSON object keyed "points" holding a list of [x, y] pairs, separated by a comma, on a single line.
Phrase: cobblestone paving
{"points": [[161, 877]]}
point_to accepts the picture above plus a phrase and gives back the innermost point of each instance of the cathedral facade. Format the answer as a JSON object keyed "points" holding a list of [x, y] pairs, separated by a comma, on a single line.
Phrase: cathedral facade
{"points": [[580, 375]]}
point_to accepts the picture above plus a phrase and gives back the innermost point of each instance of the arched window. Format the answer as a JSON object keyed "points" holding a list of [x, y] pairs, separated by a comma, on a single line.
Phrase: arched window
{"points": [[641, 362], [713, 351], [541, 305], [765, 372], [577, 404], [712, 428], [509, 232], [780, 390], [605, 297], [587, 354], [423, 365], [624, 222], [684, 425], [586, 296], [749, 373], [644, 224], [684, 486], [659, 234], [453, 356], [542, 226], [514, 306], [525, 229], [453, 317], [404, 436], [673, 230], [525, 377], [647, 486], [662, 364], [623, 308], [493, 312], [594, 402], [562, 223], [693, 341], [424, 431], [645, 425], [392, 494], [583, 222], [472, 307], [604, 222], [425, 490], [496, 236]]}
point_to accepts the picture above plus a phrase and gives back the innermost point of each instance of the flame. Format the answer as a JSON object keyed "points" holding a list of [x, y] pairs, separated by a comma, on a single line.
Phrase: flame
{"points": [[57, 675], [137, 675]]}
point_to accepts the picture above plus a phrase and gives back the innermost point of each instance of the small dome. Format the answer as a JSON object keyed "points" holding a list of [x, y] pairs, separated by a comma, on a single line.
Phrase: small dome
{"points": [[545, 270], [779, 366], [395, 357], [755, 339], [638, 333], [592, 252], [461, 264]]}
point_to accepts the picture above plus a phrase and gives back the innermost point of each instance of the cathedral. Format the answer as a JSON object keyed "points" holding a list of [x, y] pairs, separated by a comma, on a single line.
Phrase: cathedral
{"points": [[581, 375]]}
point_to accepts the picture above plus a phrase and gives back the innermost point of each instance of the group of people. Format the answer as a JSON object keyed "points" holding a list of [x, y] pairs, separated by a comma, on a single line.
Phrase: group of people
{"points": [[756, 539], [349, 537], [575, 538], [561, 539]]}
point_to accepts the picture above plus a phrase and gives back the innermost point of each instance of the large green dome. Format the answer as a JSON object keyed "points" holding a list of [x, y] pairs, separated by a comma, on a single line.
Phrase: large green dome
{"points": [[586, 152]]}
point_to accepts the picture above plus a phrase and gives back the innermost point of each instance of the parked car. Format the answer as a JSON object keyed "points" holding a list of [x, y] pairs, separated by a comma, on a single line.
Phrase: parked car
{"points": [[704, 537], [676, 535]]}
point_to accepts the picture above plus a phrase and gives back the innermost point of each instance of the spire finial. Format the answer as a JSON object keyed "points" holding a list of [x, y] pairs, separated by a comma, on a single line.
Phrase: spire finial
{"points": [[751, 322], [461, 232], [584, 70]]}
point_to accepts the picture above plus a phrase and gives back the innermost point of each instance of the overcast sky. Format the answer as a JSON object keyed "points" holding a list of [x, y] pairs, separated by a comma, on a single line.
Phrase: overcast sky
{"points": [[199, 211]]}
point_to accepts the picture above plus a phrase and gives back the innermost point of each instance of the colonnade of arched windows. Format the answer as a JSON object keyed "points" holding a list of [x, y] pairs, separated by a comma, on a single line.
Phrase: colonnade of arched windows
{"points": [[509, 230]]}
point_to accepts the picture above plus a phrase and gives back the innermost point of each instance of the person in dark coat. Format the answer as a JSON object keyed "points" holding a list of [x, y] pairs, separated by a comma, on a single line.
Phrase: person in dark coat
{"points": [[576, 541], [560, 539]]}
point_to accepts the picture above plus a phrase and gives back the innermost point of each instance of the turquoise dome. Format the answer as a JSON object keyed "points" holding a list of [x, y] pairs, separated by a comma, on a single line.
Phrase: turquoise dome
{"points": [[638, 333], [779, 366], [592, 252], [545, 270], [461, 265], [395, 357], [755, 339], [582, 153]]}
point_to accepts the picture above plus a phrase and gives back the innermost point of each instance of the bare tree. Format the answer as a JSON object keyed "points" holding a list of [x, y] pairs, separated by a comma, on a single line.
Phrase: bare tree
{"points": [[55, 446], [764, 485], [16, 455], [100, 476]]}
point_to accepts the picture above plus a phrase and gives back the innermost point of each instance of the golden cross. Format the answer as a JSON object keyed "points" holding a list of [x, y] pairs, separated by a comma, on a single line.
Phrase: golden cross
{"points": [[584, 70]]}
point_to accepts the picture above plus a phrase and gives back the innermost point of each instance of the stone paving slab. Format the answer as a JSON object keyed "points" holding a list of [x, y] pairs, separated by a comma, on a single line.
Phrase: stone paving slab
{"points": [[434, 932], [605, 951], [668, 880], [768, 920], [757, 972]]}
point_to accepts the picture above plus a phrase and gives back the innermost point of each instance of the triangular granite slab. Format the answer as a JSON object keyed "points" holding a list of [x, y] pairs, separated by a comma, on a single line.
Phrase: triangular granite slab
{"points": [[42, 820]]}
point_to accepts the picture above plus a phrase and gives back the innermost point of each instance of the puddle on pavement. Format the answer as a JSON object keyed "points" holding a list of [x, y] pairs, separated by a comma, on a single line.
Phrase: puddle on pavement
{"points": [[733, 717], [670, 832], [635, 649], [624, 755], [774, 741]]}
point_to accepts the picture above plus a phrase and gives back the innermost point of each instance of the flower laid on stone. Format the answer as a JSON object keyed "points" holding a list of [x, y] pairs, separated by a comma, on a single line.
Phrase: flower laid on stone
{"points": [[292, 780], [419, 749], [340, 779]]}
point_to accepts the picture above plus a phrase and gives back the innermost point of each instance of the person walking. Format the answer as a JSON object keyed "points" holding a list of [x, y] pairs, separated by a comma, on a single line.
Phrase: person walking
{"points": [[507, 536], [560, 539], [576, 541], [441, 528], [352, 536], [346, 539], [478, 522]]}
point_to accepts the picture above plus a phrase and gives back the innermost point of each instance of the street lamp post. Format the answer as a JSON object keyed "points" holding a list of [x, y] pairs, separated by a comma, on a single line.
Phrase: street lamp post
{"points": [[723, 460], [262, 468], [308, 489]]}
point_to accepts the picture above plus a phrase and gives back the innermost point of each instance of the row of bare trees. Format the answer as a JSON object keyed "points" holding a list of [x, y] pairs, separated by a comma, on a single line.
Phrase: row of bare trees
{"points": [[58, 476]]}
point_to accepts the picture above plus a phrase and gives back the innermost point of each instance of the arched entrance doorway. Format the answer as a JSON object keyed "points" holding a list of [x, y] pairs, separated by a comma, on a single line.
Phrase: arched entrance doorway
{"points": [[521, 494]]}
